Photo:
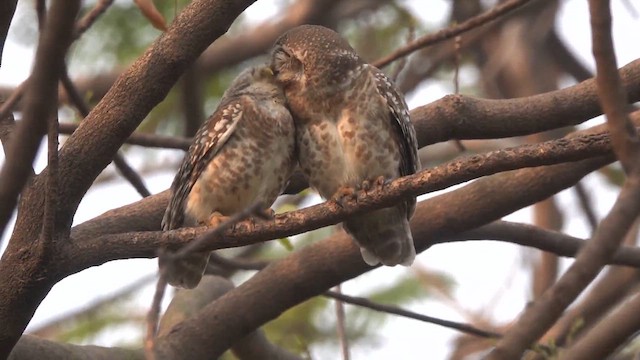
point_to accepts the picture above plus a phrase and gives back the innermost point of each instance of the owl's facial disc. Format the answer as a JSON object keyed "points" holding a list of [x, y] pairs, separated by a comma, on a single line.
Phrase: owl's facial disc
{"points": [[286, 67]]}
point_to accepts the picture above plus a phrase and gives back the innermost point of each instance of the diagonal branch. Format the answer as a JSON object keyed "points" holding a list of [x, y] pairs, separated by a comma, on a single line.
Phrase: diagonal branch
{"points": [[137, 91], [451, 32], [465, 117], [328, 213], [395, 310], [118, 159], [315, 268], [7, 9], [142, 139], [626, 143]]}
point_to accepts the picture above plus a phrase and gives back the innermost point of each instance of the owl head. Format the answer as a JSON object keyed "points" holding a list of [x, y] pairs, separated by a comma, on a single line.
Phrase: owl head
{"points": [[312, 57], [258, 82]]}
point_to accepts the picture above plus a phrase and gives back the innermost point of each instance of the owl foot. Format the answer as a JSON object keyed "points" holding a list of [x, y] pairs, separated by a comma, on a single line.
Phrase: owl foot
{"points": [[216, 219], [266, 214], [378, 184], [344, 194], [259, 216]]}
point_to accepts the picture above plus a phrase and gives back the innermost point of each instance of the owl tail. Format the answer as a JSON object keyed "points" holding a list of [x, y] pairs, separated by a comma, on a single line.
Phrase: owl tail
{"points": [[187, 272], [384, 237]]}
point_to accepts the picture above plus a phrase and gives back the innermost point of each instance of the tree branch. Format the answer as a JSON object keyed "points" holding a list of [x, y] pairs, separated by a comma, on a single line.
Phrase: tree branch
{"points": [[463, 117], [537, 319], [137, 91], [328, 213], [313, 269], [41, 101], [7, 9], [33, 347], [187, 303], [451, 32], [92, 146]]}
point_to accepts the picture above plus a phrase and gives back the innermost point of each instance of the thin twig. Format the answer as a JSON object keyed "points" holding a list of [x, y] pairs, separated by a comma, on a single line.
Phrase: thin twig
{"points": [[390, 309], [359, 301], [586, 206], [16, 95], [166, 256], [89, 18], [403, 62], [130, 174], [51, 194], [142, 139], [341, 328], [41, 8], [154, 314], [625, 140], [451, 32], [191, 99], [456, 81], [118, 159]]}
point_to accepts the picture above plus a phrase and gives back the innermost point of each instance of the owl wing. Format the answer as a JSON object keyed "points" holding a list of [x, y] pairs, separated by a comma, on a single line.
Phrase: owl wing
{"points": [[208, 141], [401, 123]]}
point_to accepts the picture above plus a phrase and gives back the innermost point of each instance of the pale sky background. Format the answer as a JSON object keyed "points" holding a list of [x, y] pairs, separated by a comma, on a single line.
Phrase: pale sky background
{"points": [[495, 284]]}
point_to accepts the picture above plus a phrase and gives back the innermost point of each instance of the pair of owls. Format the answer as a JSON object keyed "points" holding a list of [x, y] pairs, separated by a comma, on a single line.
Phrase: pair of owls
{"points": [[317, 104]]}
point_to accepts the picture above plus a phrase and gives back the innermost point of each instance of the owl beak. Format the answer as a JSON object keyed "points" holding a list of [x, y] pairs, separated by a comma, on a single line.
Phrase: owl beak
{"points": [[268, 71]]}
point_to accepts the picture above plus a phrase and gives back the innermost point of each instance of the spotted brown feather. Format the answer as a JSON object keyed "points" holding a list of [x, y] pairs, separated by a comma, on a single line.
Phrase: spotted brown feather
{"points": [[207, 142]]}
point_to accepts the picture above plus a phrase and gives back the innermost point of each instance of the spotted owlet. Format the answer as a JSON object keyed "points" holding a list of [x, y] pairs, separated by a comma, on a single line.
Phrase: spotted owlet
{"points": [[244, 153], [353, 130]]}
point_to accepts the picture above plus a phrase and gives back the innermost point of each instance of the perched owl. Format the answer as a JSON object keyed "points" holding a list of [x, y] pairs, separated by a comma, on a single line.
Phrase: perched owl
{"points": [[353, 130], [243, 153]]}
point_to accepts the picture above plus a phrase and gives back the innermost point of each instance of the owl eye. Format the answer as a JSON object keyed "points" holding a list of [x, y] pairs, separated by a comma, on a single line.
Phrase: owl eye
{"points": [[285, 62]]}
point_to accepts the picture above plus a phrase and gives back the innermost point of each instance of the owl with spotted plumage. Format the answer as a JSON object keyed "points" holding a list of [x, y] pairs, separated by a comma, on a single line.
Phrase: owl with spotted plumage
{"points": [[353, 132], [243, 154]]}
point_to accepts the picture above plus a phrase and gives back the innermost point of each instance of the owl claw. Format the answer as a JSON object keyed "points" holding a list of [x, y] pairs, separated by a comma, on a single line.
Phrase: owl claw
{"points": [[343, 195], [378, 184], [216, 219], [266, 214]]}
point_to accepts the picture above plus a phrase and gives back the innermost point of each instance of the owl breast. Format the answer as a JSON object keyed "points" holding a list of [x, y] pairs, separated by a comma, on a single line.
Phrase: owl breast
{"points": [[344, 150]]}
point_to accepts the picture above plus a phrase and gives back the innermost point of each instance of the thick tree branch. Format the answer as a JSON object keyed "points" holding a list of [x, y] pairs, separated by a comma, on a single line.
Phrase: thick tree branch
{"points": [[462, 117], [315, 268], [41, 101], [532, 236], [32, 347], [609, 333], [188, 303], [92, 146], [7, 9], [135, 244], [29, 253]]}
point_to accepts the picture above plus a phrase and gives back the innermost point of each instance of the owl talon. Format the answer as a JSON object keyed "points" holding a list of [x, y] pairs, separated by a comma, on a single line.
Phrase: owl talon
{"points": [[343, 195], [380, 183], [216, 219], [266, 214]]}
